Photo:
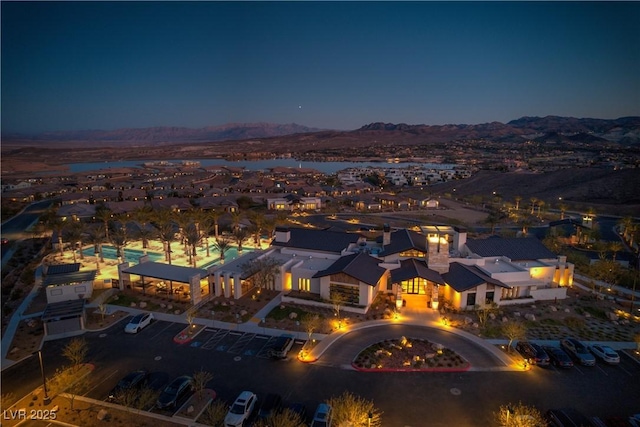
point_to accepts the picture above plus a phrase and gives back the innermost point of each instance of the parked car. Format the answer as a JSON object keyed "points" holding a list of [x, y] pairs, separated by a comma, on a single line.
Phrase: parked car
{"points": [[132, 380], [322, 416], [176, 390], [533, 353], [138, 322], [272, 403], [281, 346], [241, 409], [578, 350], [558, 357], [567, 417], [605, 353]]}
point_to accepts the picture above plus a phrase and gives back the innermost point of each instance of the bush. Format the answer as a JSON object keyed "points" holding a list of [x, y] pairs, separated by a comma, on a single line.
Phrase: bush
{"points": [[574, 322]]}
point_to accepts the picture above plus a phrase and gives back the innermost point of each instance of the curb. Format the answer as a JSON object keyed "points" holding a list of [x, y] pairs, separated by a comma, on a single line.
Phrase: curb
{"points": [[461, 369]]}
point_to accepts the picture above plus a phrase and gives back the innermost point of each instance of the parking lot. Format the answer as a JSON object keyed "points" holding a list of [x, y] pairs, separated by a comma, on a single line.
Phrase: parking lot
{"points": [[240, 343], [237, 362]]}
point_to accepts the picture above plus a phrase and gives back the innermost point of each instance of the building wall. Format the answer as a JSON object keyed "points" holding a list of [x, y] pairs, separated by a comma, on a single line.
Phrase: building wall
{"points": [[69, 292]]}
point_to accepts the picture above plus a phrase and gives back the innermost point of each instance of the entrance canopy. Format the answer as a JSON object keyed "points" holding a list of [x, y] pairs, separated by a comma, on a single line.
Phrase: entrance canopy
{"points": [[172, 273]]}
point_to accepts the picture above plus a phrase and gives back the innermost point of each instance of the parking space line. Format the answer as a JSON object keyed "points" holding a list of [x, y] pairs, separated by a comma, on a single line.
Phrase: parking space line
{"points": [[239, 345], [264, 351], [162, 330], [603, 371], [627, 372], [100, 382], [578, 369], [211, 342]]}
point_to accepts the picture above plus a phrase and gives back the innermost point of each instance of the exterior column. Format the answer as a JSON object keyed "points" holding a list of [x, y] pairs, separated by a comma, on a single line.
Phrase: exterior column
{"points": [[227, 285], [217, 283], [237, 286]]}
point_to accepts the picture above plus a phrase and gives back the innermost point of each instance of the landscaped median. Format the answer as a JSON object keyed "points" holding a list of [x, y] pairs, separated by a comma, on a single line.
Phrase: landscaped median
{"points": [[409, 355], [187, 334]]}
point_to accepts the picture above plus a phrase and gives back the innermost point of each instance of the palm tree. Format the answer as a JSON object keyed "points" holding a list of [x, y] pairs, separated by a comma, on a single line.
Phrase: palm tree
{"points": [[615, 247], [206, 227], [563, 210], [54, 223], [540, 206], [142, 217], [222, 245], [240, 235], [118, 238], [236, 217], [105, 215], [192, 238], [518, 199], [533, 204], [95, 237], [74, 234], [166, 232], [257, 220], [215, 216]]}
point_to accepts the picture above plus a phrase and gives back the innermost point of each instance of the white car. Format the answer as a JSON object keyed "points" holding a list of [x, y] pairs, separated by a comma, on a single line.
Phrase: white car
{"points": [[139, 321], [605, 353], [241, 409]]}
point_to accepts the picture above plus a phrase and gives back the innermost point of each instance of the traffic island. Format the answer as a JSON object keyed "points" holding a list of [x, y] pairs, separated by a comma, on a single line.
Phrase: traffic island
{"points": [[187, 334], [409, 355], [196, 405]]}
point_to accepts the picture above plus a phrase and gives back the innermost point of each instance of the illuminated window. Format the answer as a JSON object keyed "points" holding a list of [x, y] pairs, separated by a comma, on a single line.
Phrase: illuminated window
{"points": [[304, 284]]}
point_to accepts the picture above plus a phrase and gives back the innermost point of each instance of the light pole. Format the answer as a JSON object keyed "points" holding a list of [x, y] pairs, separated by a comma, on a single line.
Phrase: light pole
{"points": [[369, 417], [45, 398], [635, 279]]}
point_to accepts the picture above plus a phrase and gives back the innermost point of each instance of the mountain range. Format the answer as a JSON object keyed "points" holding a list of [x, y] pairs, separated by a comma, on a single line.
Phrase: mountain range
{"points": [[549, 129]]}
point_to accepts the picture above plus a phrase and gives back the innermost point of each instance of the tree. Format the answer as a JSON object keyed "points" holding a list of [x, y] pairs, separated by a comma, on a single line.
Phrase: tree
{"points": [[222, 245], [74, 234], [519, 415], [240, 235], [105, 215], [310, 322], [615, 247], [95, 237], [636, 338], [513, 330], [337, 301], [284, 418], [352, 410], [76, 352], [142, 217], [215, 413], [119, 239], [200, 381], [191, 239], [262, 272], [518, 199], [483, 312]]}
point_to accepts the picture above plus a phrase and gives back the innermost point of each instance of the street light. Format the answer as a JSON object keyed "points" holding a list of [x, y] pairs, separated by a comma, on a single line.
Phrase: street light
{"points": [[45, 399]]}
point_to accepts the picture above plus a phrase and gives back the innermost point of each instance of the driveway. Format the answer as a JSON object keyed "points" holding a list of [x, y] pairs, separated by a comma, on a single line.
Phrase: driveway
{"points": [[344, 350]]}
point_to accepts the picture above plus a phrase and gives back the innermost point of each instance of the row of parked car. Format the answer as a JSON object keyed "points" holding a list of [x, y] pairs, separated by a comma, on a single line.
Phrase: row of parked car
{"points": [[239, 412], [570, 350]]}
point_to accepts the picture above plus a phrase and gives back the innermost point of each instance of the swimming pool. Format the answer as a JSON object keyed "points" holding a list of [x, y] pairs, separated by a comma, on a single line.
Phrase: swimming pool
{"points": [[133, 255]]}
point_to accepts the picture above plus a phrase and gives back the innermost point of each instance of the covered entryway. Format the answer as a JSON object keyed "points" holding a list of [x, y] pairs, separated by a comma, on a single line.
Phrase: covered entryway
{"points": [[417, 285]]}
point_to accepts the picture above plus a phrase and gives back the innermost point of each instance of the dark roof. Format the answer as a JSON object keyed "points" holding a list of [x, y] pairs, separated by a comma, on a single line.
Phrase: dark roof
{"points": [[63, 268], [361, 266], [158, 270], [405, 240], [412, 268], [464, 277], [63, 310], [516, 249], [318, 240], [68, 278]]}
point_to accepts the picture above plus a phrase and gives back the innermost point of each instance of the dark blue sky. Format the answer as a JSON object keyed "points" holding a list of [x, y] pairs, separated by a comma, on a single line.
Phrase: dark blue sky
{"points": [[93, 65]]}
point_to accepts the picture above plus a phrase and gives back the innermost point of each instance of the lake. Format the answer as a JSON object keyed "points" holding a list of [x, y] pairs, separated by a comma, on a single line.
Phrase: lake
{"points": [[256, 165]]}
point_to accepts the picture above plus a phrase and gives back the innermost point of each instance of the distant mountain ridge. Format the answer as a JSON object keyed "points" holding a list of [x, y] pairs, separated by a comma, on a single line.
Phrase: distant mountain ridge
{"points": [[171, 134], [624, 130], [549, 129]]}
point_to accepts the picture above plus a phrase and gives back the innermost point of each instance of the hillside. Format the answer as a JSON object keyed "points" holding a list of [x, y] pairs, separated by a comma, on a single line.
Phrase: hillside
{"points": [[586, 187]]}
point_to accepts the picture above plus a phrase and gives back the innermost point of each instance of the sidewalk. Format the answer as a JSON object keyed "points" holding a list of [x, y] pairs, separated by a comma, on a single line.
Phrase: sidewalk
{"points": [[16, 318]]}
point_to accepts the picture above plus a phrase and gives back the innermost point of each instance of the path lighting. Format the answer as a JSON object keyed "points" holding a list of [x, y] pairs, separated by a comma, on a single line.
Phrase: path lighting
{"points": [[45, 399]]}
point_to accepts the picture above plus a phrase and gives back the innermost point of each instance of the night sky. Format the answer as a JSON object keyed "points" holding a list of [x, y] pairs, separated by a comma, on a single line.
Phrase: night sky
{"points": [[338, 65]]}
